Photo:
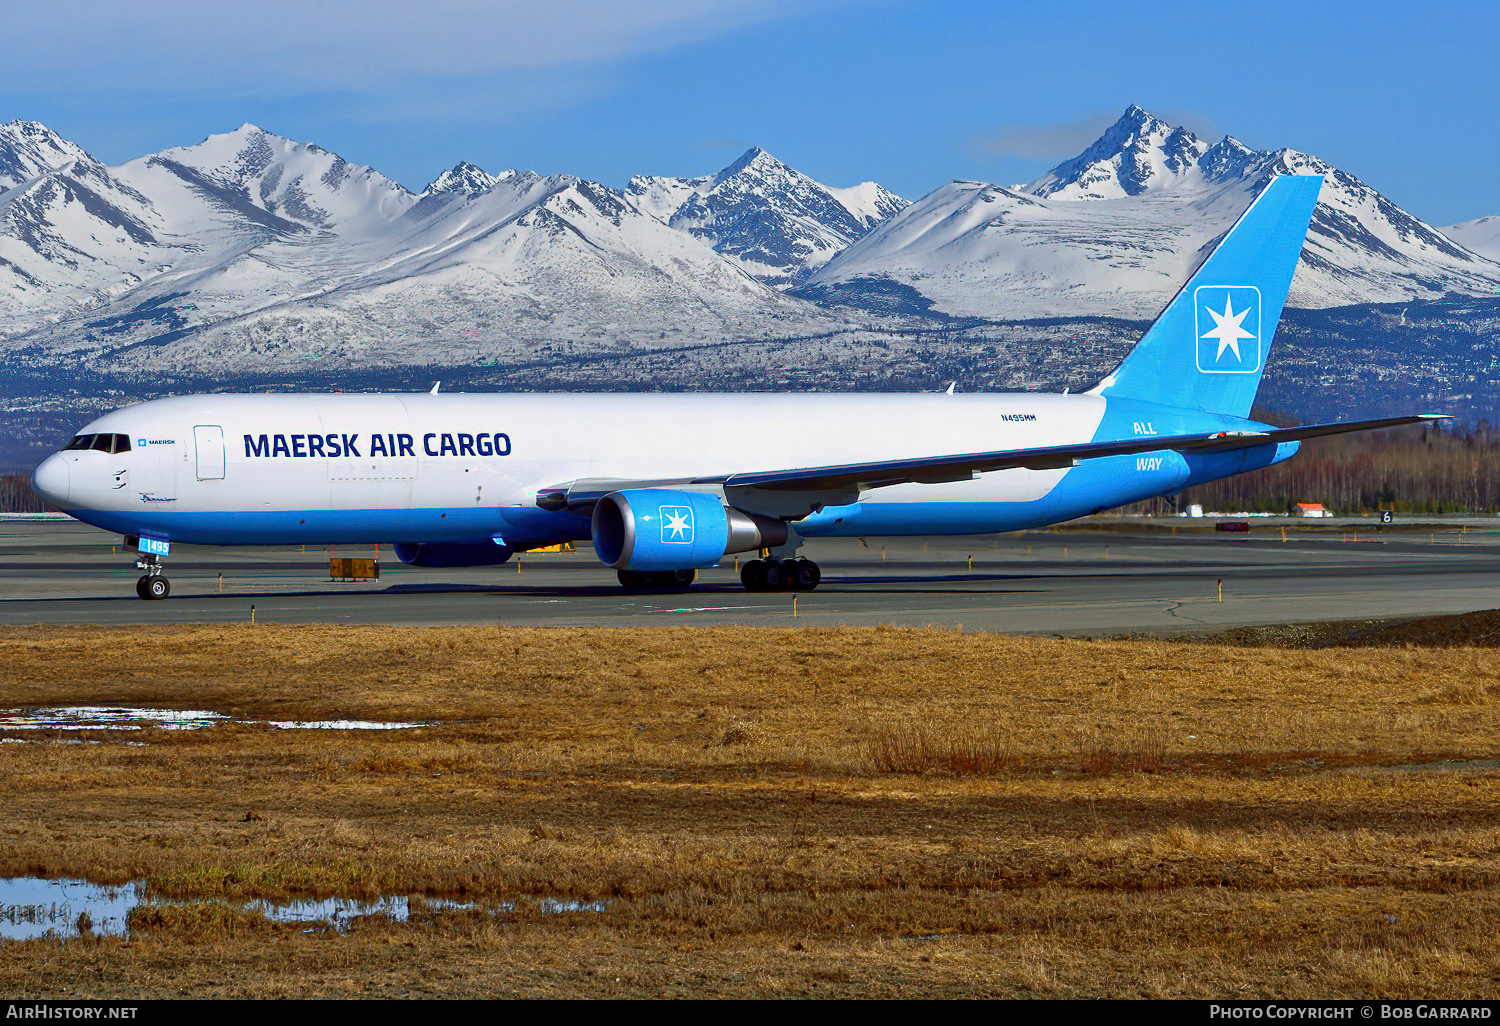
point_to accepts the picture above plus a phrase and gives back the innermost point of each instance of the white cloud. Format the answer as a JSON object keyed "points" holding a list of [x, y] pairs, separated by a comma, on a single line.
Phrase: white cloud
{"points": [[292, 46], [1045, 142]]}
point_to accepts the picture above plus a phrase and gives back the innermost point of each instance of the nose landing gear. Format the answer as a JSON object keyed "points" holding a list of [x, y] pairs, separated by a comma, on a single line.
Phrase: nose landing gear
{"points": [[153, 585]]}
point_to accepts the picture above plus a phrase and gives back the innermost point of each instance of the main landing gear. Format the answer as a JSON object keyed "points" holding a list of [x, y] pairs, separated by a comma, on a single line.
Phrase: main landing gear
{"points": [[795, 574], [153, 585]]}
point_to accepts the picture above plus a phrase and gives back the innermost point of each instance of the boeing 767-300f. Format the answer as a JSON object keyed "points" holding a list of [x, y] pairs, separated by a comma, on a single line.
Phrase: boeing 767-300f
{"points": [[667, 484]]}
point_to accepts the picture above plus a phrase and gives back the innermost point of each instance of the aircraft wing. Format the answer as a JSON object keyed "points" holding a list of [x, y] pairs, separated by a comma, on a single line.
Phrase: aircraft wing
{"points": [[850, 478]]}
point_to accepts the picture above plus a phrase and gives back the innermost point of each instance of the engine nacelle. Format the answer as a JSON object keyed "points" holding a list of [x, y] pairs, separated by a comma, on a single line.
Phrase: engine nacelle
{"points": [[441, 554], [664, 529]]}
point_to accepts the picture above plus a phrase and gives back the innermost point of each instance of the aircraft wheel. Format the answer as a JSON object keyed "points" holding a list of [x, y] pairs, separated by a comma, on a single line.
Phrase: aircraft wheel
{"points": [[753, 576], [673, 579], [635, 579], [153, 587], [804, 574], [774, 574]]}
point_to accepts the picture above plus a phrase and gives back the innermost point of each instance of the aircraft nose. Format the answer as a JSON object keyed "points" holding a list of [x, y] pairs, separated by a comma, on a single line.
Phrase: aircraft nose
{"points": [[51, 480]]}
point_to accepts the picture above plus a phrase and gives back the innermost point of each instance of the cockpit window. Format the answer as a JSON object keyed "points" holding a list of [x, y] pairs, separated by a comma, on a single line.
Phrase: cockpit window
{"points": [[115, 443], [100, 443]]}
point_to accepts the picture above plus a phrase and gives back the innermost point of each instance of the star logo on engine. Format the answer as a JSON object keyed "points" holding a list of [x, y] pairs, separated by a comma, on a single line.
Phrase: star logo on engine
{"points": [[677, 525], [1228, 329]]}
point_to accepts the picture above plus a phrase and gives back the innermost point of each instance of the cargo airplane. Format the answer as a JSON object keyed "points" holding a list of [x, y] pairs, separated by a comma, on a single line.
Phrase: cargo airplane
{"points": [[667, 484]]}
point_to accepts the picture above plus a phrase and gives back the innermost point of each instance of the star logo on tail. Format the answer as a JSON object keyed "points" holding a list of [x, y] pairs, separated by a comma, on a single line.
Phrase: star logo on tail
{"points": [[1228, 329]]}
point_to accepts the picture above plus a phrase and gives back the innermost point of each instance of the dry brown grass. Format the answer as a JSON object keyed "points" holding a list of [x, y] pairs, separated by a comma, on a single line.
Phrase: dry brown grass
{"points": [[768, 812]]}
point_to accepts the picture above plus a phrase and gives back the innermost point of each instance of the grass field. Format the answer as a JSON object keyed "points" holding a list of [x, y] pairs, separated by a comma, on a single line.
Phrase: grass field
{"points": [[839, 812]]}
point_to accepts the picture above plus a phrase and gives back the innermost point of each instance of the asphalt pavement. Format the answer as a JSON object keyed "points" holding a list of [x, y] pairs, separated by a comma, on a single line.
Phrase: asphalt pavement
{"points": [[1099, 576]]}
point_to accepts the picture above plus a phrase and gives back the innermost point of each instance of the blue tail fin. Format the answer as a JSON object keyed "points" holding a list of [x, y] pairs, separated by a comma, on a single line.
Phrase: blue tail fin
{"points": [[1208, 348]]}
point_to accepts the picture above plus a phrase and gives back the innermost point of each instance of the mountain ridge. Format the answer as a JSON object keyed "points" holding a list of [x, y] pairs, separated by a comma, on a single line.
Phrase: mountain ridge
{"points": [[777, 222], [1114, 231], [249, 251]]}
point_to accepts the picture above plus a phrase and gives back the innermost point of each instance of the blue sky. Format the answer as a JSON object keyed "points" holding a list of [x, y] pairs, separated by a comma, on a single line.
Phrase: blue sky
{"points": [[910, 94]]}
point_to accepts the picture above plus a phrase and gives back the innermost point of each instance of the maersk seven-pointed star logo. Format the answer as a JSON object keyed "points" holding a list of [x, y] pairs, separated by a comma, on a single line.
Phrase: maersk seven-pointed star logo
{"points": [[1228, 328], [677, 525]]}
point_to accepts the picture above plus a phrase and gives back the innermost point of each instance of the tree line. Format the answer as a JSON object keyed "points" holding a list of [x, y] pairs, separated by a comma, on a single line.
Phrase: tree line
{"points": [[16, 495], [1408, 470]]}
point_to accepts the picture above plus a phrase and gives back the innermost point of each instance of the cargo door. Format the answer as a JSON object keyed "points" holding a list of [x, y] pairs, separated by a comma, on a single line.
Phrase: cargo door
{"points": [[208, 439]]}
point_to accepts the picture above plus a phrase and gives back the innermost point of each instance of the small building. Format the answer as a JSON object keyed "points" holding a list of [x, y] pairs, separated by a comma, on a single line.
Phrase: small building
{"points": [[1312, 509]]}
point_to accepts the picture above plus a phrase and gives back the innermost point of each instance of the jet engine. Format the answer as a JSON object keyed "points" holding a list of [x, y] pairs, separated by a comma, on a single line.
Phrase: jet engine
{"points": [[439, 554], [664, 529]]}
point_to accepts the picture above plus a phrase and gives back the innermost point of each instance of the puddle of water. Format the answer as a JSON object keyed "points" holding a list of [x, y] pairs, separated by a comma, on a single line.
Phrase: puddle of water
{"points": [[99, 717], [28, 909], [31, 908]]}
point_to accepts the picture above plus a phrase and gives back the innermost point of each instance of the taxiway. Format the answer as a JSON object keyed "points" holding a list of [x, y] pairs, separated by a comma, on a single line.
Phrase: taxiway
{"points": [[1093, 577]]}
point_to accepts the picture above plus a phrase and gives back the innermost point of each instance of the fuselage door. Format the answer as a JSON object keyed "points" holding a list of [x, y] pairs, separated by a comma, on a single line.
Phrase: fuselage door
{"points": [[209, 441]]}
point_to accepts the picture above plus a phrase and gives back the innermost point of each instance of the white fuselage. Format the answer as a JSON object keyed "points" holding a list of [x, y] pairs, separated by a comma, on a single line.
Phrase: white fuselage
{"points": [[276, 468]]}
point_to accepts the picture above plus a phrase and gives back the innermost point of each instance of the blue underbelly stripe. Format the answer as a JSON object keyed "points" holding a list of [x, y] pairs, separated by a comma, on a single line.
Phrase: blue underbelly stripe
{"points": [[520, 527]]}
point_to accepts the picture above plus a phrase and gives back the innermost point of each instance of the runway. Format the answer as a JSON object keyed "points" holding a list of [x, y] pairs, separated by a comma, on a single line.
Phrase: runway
{"points": [[1094, 577]]}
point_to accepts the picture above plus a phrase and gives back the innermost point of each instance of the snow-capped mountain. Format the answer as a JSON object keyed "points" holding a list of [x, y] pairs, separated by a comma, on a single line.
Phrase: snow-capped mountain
{"points": [[1481, 235], [29, 149], [1115, 230], [249, 251], [1136, 153], [778, 223], [188, 221], [533, 265], [70, 230], [466, 178]]}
